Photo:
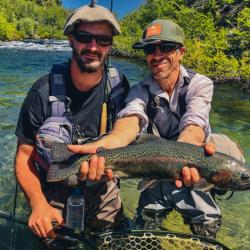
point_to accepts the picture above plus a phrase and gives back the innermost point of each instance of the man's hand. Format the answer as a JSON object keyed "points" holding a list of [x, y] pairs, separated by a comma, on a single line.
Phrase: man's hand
{"points": [[41, 218], [191, 175], [95, 168]]}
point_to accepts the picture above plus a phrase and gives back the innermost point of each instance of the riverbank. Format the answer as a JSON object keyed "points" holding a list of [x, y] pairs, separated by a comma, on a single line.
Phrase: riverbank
{"points": [[235, 78], [224, 76]]}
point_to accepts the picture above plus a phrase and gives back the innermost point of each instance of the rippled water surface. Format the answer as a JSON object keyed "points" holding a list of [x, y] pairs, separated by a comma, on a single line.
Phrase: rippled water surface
{"points": [[22, 63]]}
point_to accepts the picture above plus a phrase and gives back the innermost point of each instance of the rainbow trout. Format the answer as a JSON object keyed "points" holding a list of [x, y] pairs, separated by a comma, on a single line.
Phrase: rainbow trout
{"points": [[156, 158]]}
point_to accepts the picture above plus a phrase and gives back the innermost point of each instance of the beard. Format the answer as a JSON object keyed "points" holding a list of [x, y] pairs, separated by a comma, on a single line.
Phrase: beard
{"points": [[165, 73], [88, 65]]}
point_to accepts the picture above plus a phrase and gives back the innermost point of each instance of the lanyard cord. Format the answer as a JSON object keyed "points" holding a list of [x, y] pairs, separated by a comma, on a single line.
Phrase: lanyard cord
{"points": [[13, 228]]}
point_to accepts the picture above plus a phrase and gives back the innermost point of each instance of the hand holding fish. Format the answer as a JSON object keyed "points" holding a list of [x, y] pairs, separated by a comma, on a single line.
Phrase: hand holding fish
{"points": [[190, 176], [152, 157], [93, 169]]}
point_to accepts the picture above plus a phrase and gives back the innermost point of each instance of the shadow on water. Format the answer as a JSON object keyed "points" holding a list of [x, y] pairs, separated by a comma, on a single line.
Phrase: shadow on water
{"points": [[24, 239], [230, 115]]}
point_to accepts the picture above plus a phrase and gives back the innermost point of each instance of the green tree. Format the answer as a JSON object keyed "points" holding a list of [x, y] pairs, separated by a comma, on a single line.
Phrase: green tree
{"points": [[22, 19], [7, 30], [26, 27]]}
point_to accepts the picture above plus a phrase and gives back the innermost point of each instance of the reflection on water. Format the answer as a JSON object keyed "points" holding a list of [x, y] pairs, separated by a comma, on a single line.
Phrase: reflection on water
{"points": [[230, 115]]}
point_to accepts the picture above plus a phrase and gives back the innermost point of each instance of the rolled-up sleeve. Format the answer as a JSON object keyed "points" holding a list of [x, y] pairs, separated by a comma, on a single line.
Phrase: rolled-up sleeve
{"points": [[198, 99], [136, 104]]}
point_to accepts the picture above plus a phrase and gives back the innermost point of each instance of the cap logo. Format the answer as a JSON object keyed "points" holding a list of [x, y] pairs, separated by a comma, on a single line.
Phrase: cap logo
{"points": [[154, 30]]}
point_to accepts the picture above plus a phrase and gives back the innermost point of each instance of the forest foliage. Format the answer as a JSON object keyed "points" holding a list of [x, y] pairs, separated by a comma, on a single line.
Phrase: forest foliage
{"points": [[217, 31], [33, 19], [217, 34]]}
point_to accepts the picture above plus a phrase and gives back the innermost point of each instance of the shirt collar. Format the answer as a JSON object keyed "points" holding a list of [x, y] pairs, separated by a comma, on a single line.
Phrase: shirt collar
{"points": [[154, 88]]}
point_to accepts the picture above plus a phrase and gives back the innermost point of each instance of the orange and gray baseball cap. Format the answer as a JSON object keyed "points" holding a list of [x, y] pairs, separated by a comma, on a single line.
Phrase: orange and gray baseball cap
{"points": [[89, 14], [161, 30]]}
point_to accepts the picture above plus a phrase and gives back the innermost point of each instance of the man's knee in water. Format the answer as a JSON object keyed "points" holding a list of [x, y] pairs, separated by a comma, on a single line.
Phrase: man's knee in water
{"points": [[208, 230]]}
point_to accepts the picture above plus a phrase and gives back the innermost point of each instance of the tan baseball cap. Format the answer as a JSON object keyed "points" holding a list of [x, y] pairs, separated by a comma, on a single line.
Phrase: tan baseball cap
{"points": [[90, 14], [161, 30]]}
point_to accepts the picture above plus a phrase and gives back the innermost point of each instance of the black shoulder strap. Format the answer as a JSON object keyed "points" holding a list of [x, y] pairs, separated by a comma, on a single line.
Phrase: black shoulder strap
{"points": [[114, 78], [183, 91], [118, 88], [58, 97], [191, 75]]}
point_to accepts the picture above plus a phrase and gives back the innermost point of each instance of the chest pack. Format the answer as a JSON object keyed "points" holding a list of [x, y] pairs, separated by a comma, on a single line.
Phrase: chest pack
{"points": [[163, 121], [59, 126]]}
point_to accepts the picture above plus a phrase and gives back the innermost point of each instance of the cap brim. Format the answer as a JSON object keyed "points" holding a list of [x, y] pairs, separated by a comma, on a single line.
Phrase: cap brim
{"points": [[143, 43], [68, 30]]}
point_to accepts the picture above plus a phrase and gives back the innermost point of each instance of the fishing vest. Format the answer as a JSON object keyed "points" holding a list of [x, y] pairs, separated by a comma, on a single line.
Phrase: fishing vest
{"points": [[163, 121], [59, 126]]}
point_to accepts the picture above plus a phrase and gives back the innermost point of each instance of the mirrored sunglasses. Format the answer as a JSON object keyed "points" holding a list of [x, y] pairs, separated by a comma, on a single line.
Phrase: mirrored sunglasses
{"points": [[86, 37], [163, 47]]}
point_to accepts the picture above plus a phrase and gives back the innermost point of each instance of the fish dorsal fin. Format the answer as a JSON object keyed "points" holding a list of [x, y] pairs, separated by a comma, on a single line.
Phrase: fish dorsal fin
{"points": [[149, 138]]}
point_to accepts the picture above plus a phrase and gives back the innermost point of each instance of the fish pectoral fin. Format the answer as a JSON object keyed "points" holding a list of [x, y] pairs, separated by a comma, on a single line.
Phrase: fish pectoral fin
{"points": [[101, 149], [143, 184], [204, 186], [71, 181]]}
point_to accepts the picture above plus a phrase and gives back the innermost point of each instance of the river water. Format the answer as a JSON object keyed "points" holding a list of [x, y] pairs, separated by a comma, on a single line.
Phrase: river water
{"points": [[22, 63]]}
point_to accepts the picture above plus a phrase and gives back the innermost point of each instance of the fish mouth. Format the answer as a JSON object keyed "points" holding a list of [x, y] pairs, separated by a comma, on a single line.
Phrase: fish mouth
{"points": [[245, 181], [245, 186]]}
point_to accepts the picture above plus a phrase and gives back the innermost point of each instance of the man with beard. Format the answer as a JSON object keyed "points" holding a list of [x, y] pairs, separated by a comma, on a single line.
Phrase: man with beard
{"points": [[90, 30], [174, 103]]}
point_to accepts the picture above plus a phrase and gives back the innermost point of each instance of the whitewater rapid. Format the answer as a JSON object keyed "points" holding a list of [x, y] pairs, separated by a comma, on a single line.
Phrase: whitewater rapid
{"points": [[46, 45]]}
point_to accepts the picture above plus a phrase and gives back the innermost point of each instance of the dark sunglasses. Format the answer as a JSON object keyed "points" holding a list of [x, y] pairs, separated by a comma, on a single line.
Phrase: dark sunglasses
{"points": [[163, 47], [86, 37]]}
